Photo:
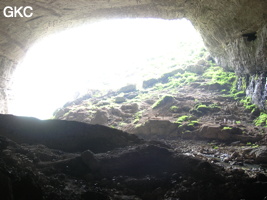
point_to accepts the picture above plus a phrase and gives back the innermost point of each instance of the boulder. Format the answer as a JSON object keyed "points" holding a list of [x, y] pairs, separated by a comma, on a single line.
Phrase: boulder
{"points": [[101, 118], [198, 69], [131, 95], [150, 83], [164, 101], [120, 99], [145, 159], [116, 112], [130, 108], [224, 133], [260, 154], [128, 88], [88, 157], [156, 129], [215, 86], [165, 77]]}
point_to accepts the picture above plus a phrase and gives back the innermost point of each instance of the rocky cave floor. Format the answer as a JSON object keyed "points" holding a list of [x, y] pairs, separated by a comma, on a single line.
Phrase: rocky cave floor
{"points": [[187, 151], [167, 169]]}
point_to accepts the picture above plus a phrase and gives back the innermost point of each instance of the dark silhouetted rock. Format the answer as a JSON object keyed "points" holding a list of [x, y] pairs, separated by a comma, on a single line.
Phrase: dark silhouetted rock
{"points": [[27, 188], [5, 187], [68, 136]]}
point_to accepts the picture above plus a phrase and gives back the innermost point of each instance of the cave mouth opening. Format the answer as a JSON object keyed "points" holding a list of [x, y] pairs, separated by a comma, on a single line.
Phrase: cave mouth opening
{"points": [[104, 55]]}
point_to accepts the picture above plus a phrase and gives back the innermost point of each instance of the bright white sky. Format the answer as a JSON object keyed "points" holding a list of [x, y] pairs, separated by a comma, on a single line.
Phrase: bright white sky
{"points": [[59, 65]]}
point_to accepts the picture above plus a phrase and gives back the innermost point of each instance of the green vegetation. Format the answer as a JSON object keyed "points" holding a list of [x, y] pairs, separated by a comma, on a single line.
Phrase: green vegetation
{"points": [[137, 117], [238, 94], [181, 79], [183, 118], [138, 125], [142, 97], [174, 109], [123, 124], [186, 118], [214, 106], [244, 83], [218, 75], [261, 120], [252, 145], [173, 83], [193, 123], [159, 86], [178, 79], [136, 121], [203, 52], [215, 147], [200, 109], [201, 106], [247, 104], [162, 101], [226, 80]]}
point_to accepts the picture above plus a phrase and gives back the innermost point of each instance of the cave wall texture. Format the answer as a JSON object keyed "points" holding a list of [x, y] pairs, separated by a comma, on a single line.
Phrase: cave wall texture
{"points": [[234, 31]]}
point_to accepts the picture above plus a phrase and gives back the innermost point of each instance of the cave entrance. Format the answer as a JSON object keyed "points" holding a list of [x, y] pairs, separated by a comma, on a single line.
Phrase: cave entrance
{"points": [[104, 55]]}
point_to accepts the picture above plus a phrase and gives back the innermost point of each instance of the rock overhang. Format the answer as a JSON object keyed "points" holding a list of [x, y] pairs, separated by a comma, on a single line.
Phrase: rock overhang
{"points": [[235, 32]]}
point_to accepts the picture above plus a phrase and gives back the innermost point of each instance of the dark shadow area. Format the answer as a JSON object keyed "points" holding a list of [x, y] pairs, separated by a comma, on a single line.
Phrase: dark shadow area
{"points": [[33, 165], [250, 36]]}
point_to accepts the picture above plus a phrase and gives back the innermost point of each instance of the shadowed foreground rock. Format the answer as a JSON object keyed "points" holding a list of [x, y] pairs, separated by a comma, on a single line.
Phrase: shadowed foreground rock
{"points": [[33, 167], [68, 136]]}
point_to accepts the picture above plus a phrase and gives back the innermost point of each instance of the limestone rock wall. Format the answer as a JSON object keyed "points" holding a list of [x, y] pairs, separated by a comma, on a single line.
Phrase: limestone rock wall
{"points": [[6, 69], [235, 31]]}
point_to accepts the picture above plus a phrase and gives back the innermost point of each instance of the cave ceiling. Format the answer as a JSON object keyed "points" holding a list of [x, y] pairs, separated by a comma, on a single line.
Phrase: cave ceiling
{"points": [[234, 31], [221, 23]]}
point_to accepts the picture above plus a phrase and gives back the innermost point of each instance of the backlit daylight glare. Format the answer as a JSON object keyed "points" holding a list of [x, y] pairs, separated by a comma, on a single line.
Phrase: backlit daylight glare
{"points": [[104, 55]]}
